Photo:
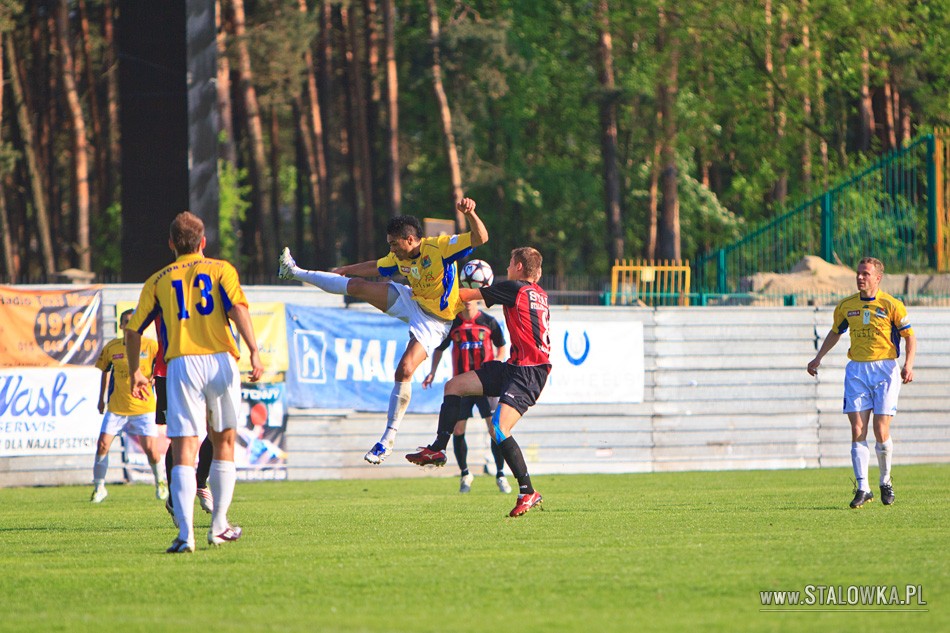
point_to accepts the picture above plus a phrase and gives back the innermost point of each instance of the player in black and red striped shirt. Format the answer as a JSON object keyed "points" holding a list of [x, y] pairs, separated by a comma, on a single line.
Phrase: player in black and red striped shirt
{"points": [[518, 383], [477, 338]]}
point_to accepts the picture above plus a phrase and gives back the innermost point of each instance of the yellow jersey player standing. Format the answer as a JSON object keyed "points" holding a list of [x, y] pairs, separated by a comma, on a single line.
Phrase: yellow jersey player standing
{"points": [[197, 298], [125, 413], [877, 322], [429, 304]]}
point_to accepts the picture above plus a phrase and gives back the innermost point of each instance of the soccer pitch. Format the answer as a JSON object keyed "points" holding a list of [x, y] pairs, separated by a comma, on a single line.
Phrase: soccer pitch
{"points": [[652, 552]]}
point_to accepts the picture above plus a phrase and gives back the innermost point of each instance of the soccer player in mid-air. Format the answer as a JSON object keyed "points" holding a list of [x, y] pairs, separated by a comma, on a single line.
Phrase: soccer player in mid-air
{"points": [[198, 298], [428, 304], [872, 381], [125, 413], [476, 339], [517, 383]]}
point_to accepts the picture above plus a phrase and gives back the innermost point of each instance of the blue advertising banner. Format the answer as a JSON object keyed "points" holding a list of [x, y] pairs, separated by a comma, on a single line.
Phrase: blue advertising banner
{"points": [[346, 359]]}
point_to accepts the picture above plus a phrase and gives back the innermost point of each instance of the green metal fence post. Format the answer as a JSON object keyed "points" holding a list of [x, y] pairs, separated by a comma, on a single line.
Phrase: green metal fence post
{"points": [[827, 228], [932, 245], [721, 271]]}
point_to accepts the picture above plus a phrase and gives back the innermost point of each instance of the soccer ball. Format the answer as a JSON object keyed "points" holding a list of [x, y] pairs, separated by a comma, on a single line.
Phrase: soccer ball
{"points": [[476, 274]]}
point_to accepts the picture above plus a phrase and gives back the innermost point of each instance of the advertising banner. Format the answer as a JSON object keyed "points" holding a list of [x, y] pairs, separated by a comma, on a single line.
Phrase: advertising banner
{"points": [[47, 411], [50, 328], [595, 362], [346, 359], [270, 329], [259, 450]]}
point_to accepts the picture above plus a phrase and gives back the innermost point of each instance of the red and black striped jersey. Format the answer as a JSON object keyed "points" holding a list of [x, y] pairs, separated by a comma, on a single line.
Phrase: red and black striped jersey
{"points": [[527, 317], [474, 341]]}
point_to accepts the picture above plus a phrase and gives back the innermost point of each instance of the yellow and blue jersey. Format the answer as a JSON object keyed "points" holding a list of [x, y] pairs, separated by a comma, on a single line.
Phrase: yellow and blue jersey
{"points": [[113, 357], [876, 325], [193, 297], [433, 275]]}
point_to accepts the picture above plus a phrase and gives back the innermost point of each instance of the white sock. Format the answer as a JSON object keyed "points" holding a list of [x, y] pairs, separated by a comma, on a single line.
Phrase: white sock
{"points": [[99, 469], [884, 452], [860, 456], [398, 403], [221, 481], [158, 472], [328, 282], [184, 488]]}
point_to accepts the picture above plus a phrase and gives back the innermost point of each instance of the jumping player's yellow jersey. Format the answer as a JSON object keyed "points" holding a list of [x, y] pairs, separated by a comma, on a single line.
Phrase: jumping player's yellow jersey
{"points": [[877, 326], [193, 295], [119, 393], [433, 275]]}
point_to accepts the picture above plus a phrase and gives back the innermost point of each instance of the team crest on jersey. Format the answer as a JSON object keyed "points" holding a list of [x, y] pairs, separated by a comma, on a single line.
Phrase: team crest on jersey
{"points": [[853, 313], [881, 312], [426, 261], [481, 336]]}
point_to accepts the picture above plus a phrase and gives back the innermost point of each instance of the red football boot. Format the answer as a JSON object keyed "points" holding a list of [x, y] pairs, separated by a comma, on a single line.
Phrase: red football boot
{"points": [[525, 503], [427, 456]]}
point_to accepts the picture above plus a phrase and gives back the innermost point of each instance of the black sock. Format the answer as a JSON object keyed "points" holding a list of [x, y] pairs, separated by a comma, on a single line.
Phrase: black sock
{"points": [[448, 416], [519, 469], [169, 462], [205, 455], [461, 452], [499, 458]]}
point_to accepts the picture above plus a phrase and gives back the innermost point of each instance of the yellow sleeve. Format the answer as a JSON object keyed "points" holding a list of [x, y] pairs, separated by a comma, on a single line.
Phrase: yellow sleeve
{"points": [[902, 320], [104, 362], [231, 287], [148, 303], [450, 245], [839, 317]]}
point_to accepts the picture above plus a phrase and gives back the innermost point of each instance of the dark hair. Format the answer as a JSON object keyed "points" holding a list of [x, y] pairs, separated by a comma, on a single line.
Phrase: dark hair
{"points": [[403, 226], [125, 314], [531, 259], [186, 232]]}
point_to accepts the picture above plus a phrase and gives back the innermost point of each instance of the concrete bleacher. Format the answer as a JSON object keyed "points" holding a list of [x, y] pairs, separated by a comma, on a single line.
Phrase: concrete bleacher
{"points": [[725, 388]]}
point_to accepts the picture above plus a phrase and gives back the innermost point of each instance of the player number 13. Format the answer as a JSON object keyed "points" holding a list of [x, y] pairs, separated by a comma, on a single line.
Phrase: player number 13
{"points": [[205, 304]]}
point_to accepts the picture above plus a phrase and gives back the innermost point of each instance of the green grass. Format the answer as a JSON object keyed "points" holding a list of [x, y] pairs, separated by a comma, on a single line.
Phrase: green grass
{"points": [[657, 552]]}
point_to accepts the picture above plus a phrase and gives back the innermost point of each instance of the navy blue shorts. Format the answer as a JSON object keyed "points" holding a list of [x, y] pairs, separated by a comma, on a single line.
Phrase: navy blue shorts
{"points": [[470, 402], [515, 385], [161, 400]]}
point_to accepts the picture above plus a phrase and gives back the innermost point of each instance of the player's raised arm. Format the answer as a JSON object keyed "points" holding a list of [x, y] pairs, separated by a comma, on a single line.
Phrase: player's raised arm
{"points": [[475, 224]]}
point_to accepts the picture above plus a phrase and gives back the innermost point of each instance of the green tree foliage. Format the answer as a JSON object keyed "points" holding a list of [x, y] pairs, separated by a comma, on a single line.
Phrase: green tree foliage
{"points": [[522, 82]]}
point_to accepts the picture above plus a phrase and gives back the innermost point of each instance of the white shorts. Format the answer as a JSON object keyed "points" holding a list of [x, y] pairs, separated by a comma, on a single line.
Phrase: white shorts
{"points": [[201, 386], [142, 424], [429, 330], [872, 385]]}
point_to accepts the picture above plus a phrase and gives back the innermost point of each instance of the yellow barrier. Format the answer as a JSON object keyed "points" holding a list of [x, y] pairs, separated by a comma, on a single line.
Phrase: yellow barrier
{"points": [[942, 192], [649, 282]]}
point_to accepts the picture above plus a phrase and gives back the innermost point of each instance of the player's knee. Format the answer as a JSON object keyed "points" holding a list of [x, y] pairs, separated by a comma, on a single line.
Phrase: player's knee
{"points": [[453, 387]]}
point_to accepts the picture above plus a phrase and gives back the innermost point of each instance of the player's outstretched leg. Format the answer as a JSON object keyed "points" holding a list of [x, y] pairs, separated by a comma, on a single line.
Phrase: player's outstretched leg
{"points": [[328, 282]]}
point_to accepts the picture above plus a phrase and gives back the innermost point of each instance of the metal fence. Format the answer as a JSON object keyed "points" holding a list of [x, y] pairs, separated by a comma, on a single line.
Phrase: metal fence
{"points": [[894, 210]]}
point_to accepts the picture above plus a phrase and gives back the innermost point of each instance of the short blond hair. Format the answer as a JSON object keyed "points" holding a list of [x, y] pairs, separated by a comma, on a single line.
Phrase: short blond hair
{"points": [[875, 262]]}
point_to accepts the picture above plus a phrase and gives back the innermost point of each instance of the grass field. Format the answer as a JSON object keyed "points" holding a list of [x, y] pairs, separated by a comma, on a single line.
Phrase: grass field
{"points": [[656, 552]]}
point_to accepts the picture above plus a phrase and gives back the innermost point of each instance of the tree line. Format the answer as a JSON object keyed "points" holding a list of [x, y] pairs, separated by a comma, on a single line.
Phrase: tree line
{"points": [[595, 130]]}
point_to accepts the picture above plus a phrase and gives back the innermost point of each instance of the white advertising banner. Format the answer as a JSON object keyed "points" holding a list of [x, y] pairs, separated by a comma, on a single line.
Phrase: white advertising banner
{"points": [[595, 362], [49, 411]]}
